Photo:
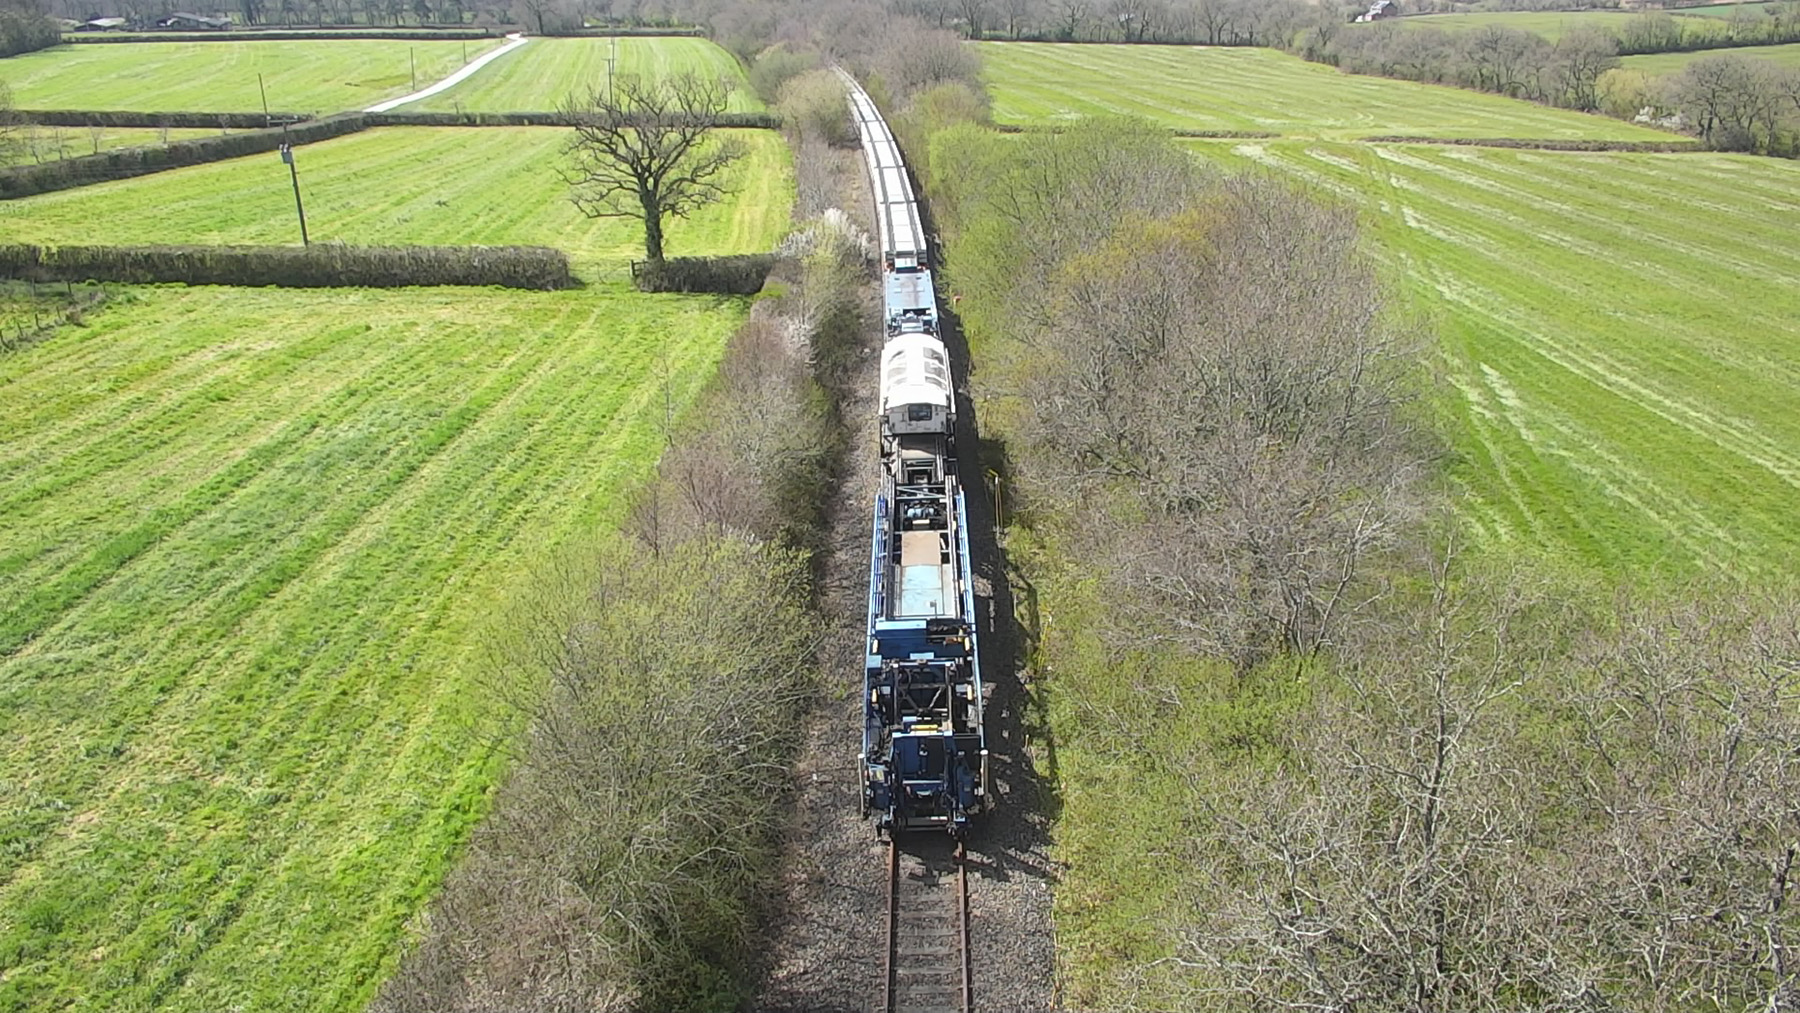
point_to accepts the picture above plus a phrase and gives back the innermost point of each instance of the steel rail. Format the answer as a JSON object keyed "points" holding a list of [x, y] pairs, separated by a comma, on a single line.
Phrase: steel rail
{"points": [[931, 985]]}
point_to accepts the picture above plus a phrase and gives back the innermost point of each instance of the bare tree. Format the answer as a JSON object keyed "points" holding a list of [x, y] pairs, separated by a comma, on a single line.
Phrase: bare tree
{"points": [[1735, 103], [1237, 443], [1018, 15], [10, 145], [1072, 16], [649, 150], [1581, 57], [620, 861], [1508, 802], [974, 15]]}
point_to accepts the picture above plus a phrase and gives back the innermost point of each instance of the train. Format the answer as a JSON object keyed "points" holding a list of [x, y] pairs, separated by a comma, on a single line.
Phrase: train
{"points": [[924, 758]]}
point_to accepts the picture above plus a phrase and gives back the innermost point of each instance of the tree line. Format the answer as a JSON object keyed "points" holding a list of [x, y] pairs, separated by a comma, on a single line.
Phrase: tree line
{"points": [[24, 27], [1732, 101]]}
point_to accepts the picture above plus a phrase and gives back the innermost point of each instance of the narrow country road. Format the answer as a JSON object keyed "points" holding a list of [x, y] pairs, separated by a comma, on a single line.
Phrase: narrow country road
{"points": [[474, 65]]}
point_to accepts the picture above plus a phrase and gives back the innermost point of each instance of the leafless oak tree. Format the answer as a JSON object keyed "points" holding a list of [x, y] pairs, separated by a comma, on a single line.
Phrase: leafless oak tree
{"points": [[649, 150]]}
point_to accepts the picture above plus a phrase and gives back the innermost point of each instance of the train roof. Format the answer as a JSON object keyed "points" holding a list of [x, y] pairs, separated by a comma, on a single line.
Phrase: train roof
{"points": [[915, 369]]}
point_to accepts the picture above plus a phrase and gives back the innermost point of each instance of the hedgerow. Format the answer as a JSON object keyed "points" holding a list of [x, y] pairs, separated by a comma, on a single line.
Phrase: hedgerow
{"points": [[27, 180], [740, 274], [327, 265], [139, 118]]}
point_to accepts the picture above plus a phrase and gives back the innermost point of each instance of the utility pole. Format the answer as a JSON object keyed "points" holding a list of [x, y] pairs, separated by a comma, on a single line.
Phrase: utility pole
{"points": [[412, 57], [287, 155], [265, 98], [610, 61]]}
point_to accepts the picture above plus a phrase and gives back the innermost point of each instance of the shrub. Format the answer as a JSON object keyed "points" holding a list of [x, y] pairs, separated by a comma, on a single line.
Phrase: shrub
{"points": [[742, 274], [774, 67], [625, 860], [328, 265], [812, 106]]}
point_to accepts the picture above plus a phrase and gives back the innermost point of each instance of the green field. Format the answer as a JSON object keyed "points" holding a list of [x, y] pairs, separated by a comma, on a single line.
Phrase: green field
{"points": [[299, 76], [1669, 63], [1551, 25], [1760, 10], [542, 75], [1204, 88], [1621, 334], [449, 185], [255, 542], [47, 144]]}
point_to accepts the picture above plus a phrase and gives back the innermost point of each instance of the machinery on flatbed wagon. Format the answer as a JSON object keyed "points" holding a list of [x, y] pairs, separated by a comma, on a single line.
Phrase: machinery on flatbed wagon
{"points": [[924, 750]]}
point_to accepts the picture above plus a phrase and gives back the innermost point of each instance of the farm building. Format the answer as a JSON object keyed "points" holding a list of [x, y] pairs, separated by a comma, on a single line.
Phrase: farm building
{"points": [[1379, 10], [184, 20], [102, 25]]}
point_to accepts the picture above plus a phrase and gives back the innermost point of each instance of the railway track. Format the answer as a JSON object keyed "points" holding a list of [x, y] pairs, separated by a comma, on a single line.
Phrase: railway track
{"points": [[927, 967]]}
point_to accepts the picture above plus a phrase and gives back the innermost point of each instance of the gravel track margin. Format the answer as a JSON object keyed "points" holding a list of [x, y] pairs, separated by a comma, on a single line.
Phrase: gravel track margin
{"points": [[826, 939]]}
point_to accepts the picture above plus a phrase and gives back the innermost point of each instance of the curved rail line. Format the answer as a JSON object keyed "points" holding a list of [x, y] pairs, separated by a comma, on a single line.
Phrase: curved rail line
{"points": [[927, 968]]}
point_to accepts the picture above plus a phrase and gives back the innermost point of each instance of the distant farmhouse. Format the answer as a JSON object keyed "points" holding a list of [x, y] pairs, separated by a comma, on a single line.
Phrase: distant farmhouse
{"points": [[185, 21], [102, 25], [1379, 10]]}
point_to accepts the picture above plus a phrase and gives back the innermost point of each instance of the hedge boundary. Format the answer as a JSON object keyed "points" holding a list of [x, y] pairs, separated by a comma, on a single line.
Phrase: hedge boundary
{"points": [[326, 265], [1549, 144], [1052, 128], [419, 34], [284, 35], [740, 274], [557, 118], [124, 163], [135, 118]]}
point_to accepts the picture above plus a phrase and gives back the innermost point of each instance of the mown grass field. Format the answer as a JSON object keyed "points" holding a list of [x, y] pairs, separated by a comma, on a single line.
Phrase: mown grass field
{"points": [[1621, 335], [1760, 10], [448, 185], [1551, 25], [255, 541], [1669, 63], [47, 144], [299, 76], [1204, 88], [543, 75]]}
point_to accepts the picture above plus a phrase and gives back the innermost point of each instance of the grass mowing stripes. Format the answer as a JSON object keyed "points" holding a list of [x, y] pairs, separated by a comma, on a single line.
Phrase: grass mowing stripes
{"points": [[246, 733], [1620, 334], [1668, 63], [493, 185], [1207, 88], [539, 77], [299, 76]]}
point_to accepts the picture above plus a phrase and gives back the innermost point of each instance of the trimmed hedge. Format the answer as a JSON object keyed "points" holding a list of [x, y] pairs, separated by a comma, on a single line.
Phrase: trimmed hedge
{"points": [[1033, 128], [26, 180], [133, 118], [755, 121], [283, 35], [327, 265], [63, 174], [1543, 145], [742, 274], [603, 31]]}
